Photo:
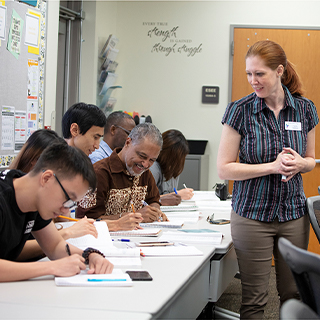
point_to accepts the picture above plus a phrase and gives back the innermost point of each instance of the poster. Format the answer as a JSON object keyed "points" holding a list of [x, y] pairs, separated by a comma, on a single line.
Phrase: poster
{"points": [[7, 140], [32, 118], [19, 129], [14, 38], [3, 22], [33, 79], [32, 30]]}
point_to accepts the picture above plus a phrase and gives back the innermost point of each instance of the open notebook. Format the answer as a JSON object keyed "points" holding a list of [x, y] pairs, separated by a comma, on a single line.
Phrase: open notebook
{"points": [[120, 257], [116, 279]]}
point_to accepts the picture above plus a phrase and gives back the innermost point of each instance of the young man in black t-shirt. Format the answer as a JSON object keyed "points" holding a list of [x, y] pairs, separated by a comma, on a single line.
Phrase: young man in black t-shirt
{"points": [[61, 176]]}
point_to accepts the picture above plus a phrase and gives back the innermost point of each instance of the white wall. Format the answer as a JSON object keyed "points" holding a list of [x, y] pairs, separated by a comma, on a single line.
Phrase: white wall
{"points": [[169, 88]]}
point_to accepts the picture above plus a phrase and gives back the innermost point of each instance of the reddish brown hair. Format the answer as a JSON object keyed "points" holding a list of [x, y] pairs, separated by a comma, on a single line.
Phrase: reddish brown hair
{"points": [[173, 154], [273, 55]]}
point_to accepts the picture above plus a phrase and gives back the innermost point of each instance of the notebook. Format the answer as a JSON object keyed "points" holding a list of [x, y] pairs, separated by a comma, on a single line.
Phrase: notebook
{"points": [[116, 279], [103, 241], [174, 223], [152, 232], [179, 207], [173, 251], [197, 236]]}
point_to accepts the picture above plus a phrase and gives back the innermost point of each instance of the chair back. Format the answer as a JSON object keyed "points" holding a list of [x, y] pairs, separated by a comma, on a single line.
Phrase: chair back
{"points": [[313, 208], [305, 267], [295, 310]]}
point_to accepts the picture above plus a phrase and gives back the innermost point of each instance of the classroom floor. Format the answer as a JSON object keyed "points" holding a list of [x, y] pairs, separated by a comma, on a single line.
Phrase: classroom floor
{"points": [[231, 298]]}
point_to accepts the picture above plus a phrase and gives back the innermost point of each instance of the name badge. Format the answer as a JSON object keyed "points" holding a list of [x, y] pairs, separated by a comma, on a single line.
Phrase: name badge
{"points": [[294, 126]]}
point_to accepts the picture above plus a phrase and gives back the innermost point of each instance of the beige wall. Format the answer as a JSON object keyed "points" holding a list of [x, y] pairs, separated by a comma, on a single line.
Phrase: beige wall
{"points": [[169, 88]]}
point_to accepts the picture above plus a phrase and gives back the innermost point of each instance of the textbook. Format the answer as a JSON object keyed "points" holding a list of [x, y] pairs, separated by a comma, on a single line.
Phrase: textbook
{"points": [[116, 279], [137, 233]]}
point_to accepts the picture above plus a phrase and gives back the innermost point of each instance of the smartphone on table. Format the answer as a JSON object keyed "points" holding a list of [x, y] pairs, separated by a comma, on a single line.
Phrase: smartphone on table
{"points": [[139, 275]]}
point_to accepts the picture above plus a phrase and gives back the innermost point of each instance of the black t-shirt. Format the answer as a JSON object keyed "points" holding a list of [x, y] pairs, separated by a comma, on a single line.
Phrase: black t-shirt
{"points": [[15, 225]]}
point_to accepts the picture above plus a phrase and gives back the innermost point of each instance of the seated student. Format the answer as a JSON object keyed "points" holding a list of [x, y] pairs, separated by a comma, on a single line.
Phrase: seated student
{"points": [[25, 161], [125, 181], [168, 167], [82, 126], [28, 202], [116, 131]]}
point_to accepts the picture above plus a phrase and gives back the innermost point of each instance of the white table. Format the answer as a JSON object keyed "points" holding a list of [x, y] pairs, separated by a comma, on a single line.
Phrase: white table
{"points": [[181, 288]]}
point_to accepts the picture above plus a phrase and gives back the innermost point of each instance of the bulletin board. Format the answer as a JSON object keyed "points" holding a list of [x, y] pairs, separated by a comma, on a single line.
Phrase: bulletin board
{"points": [[22, 66]]}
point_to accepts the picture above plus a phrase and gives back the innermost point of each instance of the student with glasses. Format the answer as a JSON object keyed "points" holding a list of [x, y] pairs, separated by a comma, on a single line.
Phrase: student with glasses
{"points": [[29, 202], [25, 161], [116, 132]]}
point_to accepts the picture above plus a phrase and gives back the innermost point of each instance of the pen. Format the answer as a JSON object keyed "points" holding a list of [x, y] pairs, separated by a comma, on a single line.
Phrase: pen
{"points": [[99, 280], [144, 203], [175, 190], [141, 253], [122, 240], [68, 218], [185, 186], [68, 249]]}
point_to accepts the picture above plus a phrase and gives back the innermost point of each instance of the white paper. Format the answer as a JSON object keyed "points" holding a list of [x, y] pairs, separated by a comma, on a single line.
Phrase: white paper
{"points": [[32, 30], [3, 22], [7, 140]]}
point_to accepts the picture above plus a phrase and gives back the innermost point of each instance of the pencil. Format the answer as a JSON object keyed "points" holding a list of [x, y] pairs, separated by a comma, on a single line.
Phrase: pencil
{"points": [[132, 208], [71, 219]]}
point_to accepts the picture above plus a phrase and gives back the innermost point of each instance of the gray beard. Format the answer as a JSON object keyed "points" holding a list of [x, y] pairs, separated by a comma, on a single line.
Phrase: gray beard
{"points": [[132, 173]]}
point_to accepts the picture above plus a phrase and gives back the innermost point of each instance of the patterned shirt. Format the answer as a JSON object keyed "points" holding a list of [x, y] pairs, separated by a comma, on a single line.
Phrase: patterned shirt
{"points": [[116, 189], [263, 137]]}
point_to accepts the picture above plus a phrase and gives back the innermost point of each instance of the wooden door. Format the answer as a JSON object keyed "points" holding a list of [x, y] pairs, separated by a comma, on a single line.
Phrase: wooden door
{"points": [[302, 49]]}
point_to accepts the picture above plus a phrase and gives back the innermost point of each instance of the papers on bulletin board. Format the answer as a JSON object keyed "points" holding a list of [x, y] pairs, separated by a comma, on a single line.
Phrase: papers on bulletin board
{"points": [[32, 30], [3, 22], [19, 129], [7, 137], [14, 38]]}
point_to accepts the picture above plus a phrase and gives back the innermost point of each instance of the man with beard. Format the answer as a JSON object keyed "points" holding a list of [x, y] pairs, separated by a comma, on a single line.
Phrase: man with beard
{"points": [[125, 185]]}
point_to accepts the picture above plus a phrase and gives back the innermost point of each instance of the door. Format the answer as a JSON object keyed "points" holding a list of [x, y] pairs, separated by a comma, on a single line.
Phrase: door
{"points": [[302, 49]]}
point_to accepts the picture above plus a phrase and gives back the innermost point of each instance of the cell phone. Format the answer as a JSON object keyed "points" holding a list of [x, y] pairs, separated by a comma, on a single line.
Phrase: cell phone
{"points": [[220, 221], [154, 243], [139, 275]]}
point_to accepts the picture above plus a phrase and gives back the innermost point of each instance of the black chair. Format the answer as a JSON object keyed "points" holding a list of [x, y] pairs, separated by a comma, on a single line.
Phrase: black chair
{"points": [[305, 267], [295, 310], [313, 206]]}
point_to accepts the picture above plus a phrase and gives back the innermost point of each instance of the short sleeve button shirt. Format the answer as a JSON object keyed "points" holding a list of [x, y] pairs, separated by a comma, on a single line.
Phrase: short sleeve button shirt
{"points": [[263, 137]]}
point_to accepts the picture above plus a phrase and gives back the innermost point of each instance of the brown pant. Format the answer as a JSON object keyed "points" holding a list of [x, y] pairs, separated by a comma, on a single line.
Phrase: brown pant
{"points": [[255, 242]]}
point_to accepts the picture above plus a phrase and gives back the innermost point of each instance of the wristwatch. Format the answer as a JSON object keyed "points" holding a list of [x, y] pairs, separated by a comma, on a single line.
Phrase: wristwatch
{"points": [[88, 251]]}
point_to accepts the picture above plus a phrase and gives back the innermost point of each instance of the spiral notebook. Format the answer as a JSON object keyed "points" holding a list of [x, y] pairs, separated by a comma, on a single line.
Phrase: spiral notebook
{"points": [[174, 224], [152, 232], [116, 279]]}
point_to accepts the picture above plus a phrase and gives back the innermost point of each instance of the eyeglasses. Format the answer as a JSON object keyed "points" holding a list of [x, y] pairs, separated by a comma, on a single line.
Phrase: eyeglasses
{"points": [[70, 204], [125, 130]]}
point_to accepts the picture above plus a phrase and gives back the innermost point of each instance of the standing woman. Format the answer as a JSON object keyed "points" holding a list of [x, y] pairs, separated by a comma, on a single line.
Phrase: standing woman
{"points": [[273, 132]]}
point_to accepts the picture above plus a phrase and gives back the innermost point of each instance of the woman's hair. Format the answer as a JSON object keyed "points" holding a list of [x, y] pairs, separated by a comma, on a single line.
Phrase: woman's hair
{"points": [[273, 55], [173, 154], [32, 149]]}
